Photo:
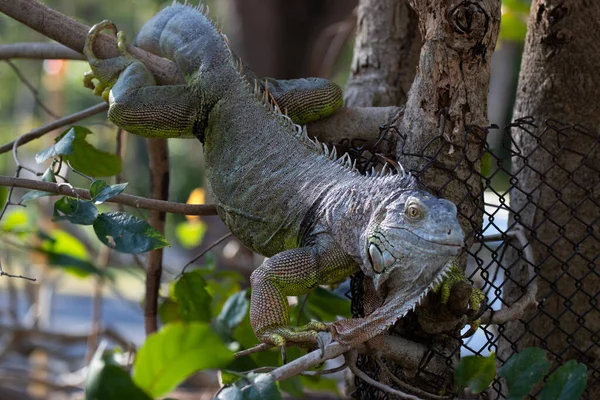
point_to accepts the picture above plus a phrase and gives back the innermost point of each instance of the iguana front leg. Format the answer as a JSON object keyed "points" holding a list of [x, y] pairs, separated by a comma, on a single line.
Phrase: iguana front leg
{"points": [[292, 273], [137, 104]]}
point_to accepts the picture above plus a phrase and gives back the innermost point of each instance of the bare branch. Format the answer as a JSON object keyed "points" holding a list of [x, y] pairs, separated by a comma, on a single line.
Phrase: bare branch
{"points": [[31, 88], [38, 51], [125, 199], [59, 123], [203, 252], [2, 273]]}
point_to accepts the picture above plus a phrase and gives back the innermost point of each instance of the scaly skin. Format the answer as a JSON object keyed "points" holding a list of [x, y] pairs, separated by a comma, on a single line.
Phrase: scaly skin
{"points": [[283, 195]]}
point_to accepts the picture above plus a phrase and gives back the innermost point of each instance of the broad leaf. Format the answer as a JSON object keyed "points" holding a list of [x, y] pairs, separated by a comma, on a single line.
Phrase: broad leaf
{"points": [[34, 194], [476, 372], [126, 233], [76, 211], [174, 353], [523, 370], [62, 147], [233, 313], [109, 381], [192, 297], [16, 221], [100, 191], [263, 387], [66, 251], [190, 233], [566, 383], [88, 160]]}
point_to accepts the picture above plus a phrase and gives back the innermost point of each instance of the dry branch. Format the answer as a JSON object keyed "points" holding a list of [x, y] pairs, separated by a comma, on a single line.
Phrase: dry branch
{"points": [[125, 199]]}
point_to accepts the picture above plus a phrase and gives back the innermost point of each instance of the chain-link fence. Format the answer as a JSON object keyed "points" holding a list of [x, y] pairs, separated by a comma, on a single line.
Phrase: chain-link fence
{"points": [[544, 182]]}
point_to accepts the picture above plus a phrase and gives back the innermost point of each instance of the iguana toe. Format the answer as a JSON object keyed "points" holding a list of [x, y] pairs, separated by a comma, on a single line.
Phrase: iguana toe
{"points": [[105, 71], [304, 336]]}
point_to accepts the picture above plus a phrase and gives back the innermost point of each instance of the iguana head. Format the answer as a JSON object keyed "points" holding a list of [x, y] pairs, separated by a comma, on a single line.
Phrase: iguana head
{"points": [[410, 239]]}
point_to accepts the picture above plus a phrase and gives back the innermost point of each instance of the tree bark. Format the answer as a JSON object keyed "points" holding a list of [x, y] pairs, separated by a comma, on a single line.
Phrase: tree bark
{"points": [[557, 199], [386, 52], [452, 80]]}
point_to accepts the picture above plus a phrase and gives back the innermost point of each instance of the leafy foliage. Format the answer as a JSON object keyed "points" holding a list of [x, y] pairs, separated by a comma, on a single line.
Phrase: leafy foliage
{"points": [[192, 297], [100, 191], [80, 212], [126, 233], [476, 372], [523, 370], [172, 354], [108, 380]]}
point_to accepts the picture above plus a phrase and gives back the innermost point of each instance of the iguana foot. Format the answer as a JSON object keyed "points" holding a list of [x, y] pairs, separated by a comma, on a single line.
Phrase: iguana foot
{"points": [[303, 336], [105, 71]]}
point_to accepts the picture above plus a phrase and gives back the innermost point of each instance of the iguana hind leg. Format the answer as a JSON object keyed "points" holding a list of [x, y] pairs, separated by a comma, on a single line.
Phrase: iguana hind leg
{"points": [[137, 104], [292, 273]]}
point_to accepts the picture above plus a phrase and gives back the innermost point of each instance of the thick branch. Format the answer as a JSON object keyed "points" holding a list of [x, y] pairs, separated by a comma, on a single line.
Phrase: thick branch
{"points": [[125, 199], [38, 51]]}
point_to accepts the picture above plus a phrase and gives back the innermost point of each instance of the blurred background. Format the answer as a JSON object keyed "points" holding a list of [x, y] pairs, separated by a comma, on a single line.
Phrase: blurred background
{"points": [[277, 38]]}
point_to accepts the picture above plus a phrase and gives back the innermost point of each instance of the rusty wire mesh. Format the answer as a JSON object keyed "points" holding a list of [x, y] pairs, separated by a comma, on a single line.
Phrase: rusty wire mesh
{"points": [[546, 179]]}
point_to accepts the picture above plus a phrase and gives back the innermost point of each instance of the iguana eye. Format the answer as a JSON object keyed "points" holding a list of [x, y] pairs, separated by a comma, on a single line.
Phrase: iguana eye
{"points": [[414, 210]]}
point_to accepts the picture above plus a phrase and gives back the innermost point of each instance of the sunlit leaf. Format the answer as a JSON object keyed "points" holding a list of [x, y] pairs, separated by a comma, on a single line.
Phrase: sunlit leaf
{"points": [[566, 383], [190, 233], [16, 220], [192, 297], [100, 191], [126, 233], [476, 372], [174, 353], [523, 370], [76, 211]]}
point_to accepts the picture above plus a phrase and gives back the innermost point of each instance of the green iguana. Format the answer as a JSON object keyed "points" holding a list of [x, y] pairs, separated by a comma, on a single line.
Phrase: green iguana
{"points": [[282, 194]]}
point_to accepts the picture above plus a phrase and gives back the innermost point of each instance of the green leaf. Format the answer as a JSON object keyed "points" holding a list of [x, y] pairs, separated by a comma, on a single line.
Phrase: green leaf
{"points": [[263, 387], [175, 352], [81, 212], [66, 251], [523, 370], [192, 297], [293, 386], [168, 311], [34, 194], [109, 381], [16, 221], [190, 233], [229, 377], [476, 372], [48, 175], [566, 383], [100, 191], [323, 305], [88, 160], [126, 233], [232, 314], [230, 393], [62, 147]]}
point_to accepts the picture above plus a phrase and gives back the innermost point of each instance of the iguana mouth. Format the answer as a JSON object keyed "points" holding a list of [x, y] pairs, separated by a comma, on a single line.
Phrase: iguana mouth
{"points": [[452, 244]]}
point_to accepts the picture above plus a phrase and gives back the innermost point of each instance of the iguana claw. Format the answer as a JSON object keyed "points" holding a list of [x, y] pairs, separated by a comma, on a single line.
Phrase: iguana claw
{"points": [[105, 71], [300, 335]]}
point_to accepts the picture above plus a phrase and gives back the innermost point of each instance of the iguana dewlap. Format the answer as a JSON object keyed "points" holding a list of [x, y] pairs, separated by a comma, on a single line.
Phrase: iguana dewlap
{"points": [[283, 195]]}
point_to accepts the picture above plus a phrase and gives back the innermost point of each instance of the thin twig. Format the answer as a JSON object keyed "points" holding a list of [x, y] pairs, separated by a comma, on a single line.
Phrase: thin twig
{"points": [[256, 349], [32, 89], [126, 199], [350, 358], [59, 123], [203, 252]]}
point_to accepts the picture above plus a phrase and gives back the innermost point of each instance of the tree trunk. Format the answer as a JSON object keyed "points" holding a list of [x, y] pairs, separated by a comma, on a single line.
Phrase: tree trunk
{"points": [[451, 85], [386, 52], [557, 199]]}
